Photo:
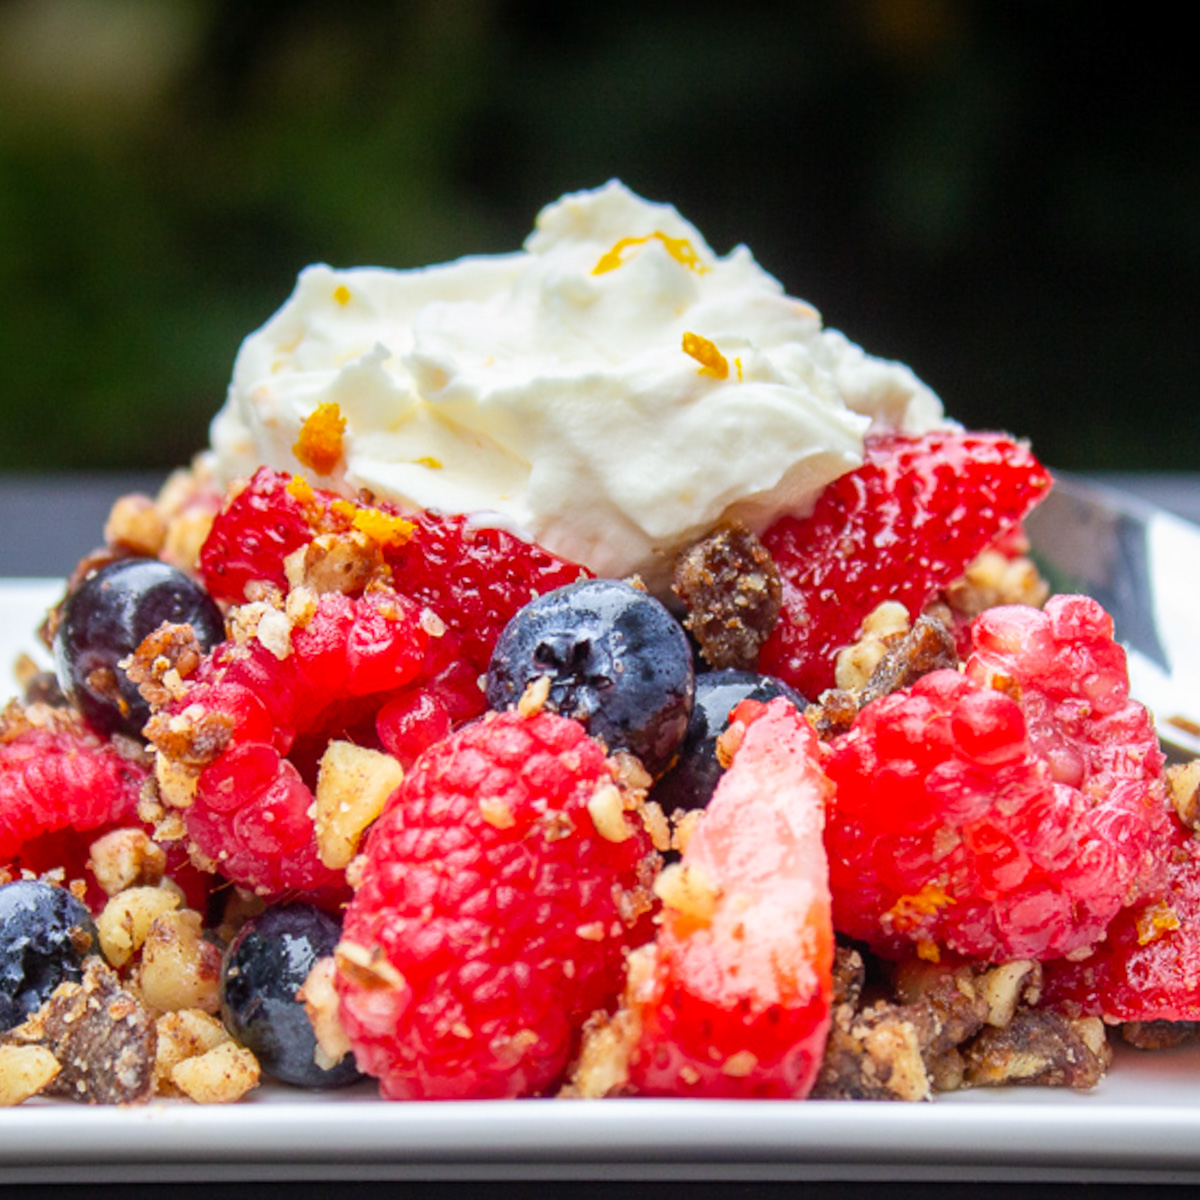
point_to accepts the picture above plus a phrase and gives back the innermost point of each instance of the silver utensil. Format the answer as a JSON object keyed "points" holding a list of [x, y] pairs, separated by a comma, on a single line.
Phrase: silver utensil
{"points": [[1143, 565]]}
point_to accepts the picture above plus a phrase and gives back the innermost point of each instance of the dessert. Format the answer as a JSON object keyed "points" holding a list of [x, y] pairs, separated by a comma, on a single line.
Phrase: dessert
{"points": [[613, 683]]}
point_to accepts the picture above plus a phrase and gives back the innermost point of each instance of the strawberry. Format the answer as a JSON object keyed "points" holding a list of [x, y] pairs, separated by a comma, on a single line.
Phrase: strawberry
{"points": [[733, 997], [900, 527]]}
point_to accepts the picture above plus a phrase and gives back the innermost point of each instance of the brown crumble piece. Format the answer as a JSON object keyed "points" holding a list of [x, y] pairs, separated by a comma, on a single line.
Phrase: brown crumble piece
{"points": [[904, 656], [337, 562], [162, 662], [1160, 1035], [732, 591], [1042, 1047], [949, 1027], [102, 1037]]}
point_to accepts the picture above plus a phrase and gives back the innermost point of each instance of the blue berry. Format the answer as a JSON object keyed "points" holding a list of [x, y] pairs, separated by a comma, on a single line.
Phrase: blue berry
{"points": [[263, 969], [106, 618], [45, 934], [616, 659], [691, 781]]}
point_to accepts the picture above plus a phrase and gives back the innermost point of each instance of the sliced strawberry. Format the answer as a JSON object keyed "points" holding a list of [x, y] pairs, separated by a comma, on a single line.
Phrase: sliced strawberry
{"points": [[901, 527], [733, 998]]}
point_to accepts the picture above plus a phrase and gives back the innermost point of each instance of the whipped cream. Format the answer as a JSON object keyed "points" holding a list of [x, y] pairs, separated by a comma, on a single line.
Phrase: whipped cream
{"points": [[611, 391]]}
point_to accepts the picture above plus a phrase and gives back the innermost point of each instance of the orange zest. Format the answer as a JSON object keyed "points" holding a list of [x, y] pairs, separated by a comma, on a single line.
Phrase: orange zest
{"points": [[680, 249], [319, 446], [712, 361]]}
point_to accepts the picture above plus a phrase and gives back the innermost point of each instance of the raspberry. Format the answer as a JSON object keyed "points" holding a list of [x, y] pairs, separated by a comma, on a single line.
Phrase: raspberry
{"points": [[900, 527], [1148, 967], [733, 998], [251, 726], [493, 916], [1009, 812], [252, 535], [61, 787], [475, 577]]}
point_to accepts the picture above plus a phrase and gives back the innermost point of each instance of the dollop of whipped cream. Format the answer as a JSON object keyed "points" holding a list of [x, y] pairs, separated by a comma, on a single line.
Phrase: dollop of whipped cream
{"points": [[611, 391]]}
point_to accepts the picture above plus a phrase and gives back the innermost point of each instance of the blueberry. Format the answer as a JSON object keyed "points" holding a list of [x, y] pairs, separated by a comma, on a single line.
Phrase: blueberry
{"points": [[45, 934], [616, 660], [691, 781], [263, 969], [106, 618]]}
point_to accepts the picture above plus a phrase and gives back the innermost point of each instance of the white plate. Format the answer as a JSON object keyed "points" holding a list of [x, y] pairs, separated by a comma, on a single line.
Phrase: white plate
{"points": [[1141, 1123]]}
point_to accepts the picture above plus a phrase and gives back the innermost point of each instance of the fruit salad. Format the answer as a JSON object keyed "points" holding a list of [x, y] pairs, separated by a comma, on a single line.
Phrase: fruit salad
{"points": [[580, 673]]}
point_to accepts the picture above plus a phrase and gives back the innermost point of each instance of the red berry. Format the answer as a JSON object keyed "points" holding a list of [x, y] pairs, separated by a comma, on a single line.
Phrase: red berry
{"points": [[343, 665], [61, 787], [733, 998], [900, 527], [250, 537], [493, 916], [474, 576], [1008, 812], [1148, 967]]}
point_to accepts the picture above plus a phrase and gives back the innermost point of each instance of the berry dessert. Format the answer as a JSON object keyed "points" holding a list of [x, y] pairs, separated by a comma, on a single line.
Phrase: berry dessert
{"points": [[579, 672]]}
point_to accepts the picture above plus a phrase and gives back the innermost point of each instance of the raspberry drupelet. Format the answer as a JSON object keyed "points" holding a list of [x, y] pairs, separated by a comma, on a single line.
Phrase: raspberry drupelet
{"points": [[500, 892]]}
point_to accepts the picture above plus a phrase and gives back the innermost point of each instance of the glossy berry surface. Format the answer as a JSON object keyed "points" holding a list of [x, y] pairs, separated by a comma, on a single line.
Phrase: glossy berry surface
{"points": [[1007, 812], [371, 670], [264, 967], [106, 618], [691, 781], [615, 658], [900, 527], [474, 576], [45, 934], [732, 999], [502, 888]]}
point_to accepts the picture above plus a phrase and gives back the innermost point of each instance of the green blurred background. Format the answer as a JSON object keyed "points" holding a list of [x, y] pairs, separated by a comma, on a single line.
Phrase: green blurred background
{"points": [[1003, 195]]}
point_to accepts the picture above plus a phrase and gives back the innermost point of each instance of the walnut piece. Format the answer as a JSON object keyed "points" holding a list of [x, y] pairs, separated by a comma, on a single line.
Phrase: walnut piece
{"points": [[353, 784]]}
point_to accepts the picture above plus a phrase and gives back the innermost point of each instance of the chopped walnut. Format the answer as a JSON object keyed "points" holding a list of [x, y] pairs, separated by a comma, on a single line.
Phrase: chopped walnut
{"points": [[25, 1071], [102, 1037], [993, 578], [126, 858], [135, 526], [731, 588], [899, 657], [185, 1033], [124, 924], [320, 1001], [179, 967], [221, 1075], [353, 784], [1183, 788], [337, 562], [163, 661]]}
